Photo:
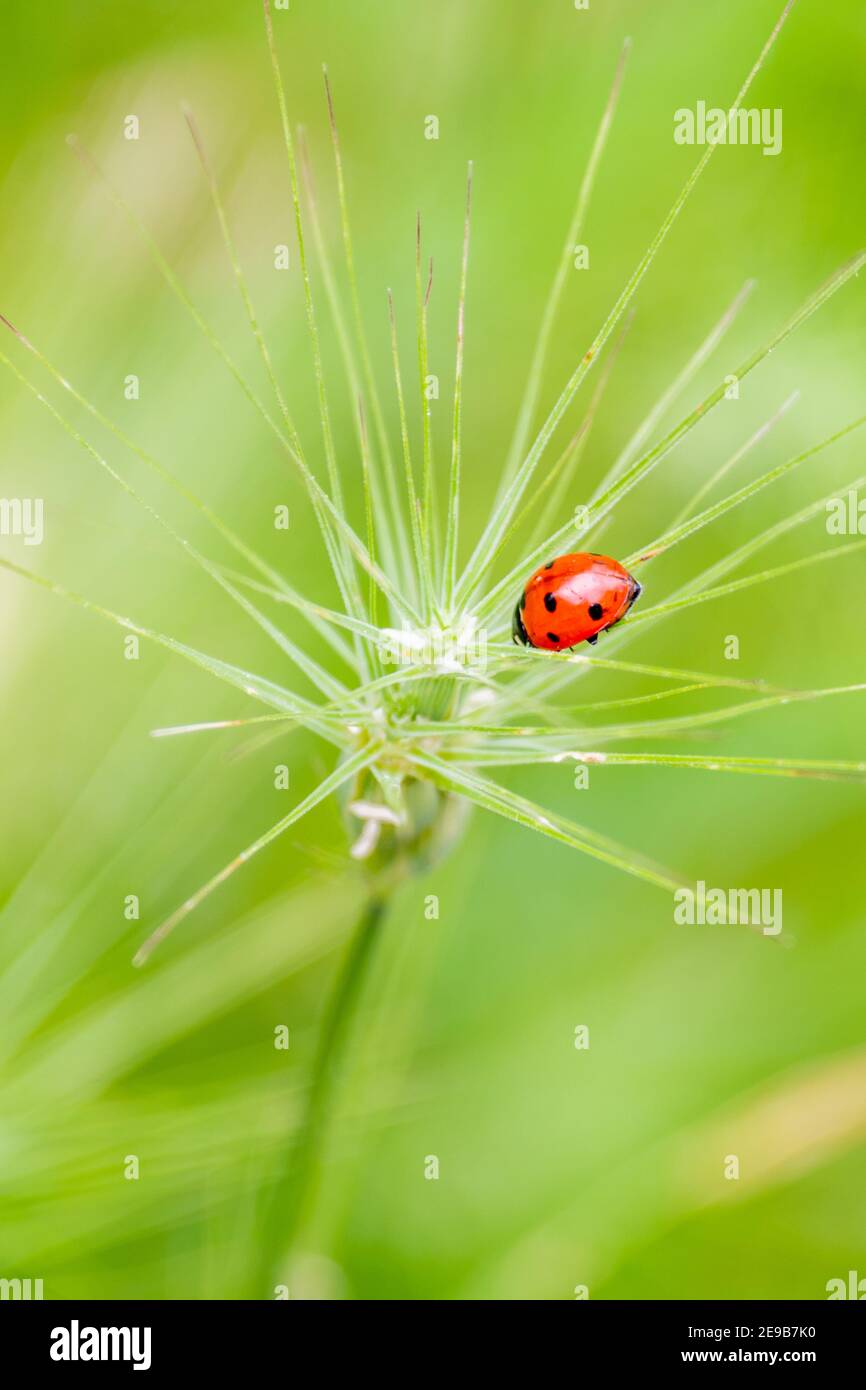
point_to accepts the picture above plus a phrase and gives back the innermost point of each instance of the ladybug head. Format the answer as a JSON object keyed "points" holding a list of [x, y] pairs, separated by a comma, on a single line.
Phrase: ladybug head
{"points": [[518, 631]]}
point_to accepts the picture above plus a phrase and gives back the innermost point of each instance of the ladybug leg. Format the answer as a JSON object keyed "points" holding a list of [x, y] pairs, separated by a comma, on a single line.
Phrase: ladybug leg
{"points": [[592, 640]]}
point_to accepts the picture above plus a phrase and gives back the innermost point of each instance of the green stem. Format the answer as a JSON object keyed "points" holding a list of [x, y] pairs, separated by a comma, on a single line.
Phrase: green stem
{"points": [[296, 1185]]}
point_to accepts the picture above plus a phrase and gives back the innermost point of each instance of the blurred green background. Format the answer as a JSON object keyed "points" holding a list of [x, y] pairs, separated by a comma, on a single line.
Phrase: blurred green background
{"points": [[558, 1167]]}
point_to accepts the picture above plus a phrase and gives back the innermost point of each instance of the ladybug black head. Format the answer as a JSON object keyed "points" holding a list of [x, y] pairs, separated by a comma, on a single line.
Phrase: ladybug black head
{"points": [[518, 631]]}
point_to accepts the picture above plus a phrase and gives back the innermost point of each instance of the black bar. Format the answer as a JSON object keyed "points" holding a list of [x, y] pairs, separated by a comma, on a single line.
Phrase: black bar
{"points": [[245, 1337]]}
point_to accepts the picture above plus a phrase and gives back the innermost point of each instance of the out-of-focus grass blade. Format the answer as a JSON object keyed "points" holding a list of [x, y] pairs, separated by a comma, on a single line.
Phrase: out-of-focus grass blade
{"points": [[257, 687]]}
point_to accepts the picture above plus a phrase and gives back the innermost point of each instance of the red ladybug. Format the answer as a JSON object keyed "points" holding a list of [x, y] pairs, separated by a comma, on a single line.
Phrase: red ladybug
{"points": [[572, 600]]}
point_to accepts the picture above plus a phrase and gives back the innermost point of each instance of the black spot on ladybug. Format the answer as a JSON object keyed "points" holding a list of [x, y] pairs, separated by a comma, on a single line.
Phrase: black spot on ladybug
{"points": [[550, 566], [595, 611], [550, 603], [552, 637]]}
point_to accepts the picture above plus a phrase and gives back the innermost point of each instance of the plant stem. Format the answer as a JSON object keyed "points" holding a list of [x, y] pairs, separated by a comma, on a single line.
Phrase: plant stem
{"points": [[296, 1184]]}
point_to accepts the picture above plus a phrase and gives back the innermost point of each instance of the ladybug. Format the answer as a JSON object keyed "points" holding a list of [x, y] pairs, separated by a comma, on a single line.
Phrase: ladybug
{"points": [[572, 599]]}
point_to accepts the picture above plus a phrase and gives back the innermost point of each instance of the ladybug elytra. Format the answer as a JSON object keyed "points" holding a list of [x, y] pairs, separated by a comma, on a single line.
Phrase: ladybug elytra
{"points": [[572, 599]]}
